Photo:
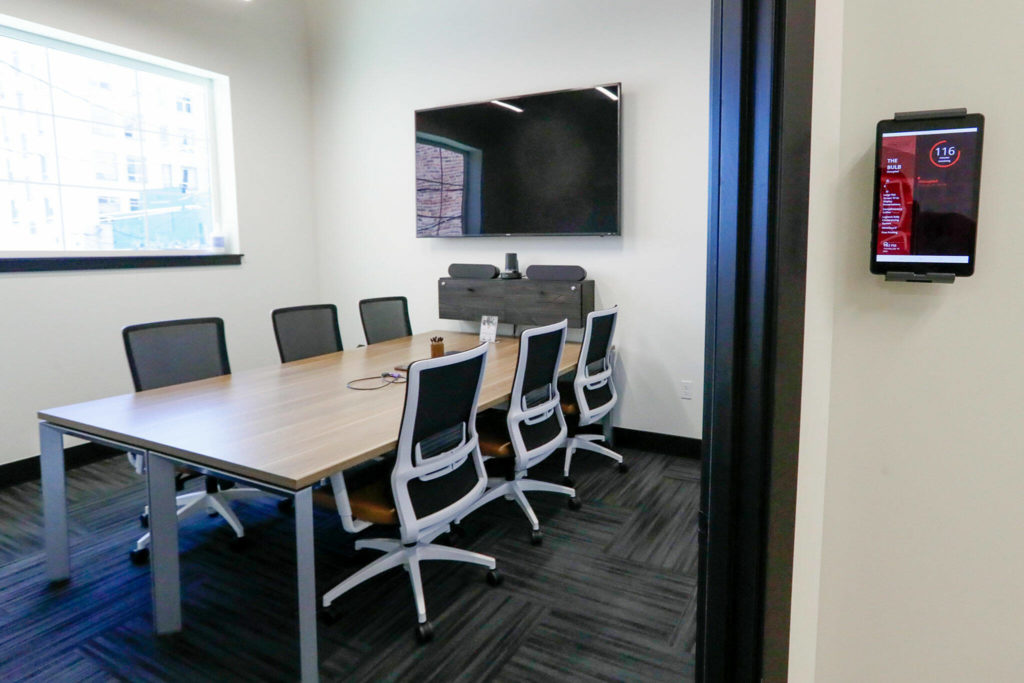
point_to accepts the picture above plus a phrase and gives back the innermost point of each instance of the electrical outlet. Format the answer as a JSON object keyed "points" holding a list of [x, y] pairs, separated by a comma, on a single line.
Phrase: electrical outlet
{"points": [[685, 389]]}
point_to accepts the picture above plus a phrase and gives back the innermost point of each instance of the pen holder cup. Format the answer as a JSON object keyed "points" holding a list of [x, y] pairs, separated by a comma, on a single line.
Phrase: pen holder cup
{"points": [[436, 349]]}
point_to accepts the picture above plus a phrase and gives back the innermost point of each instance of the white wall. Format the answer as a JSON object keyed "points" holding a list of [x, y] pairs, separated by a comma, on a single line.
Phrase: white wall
{"points": [[375, 63], [60, 336], [922, 548], [818, 327]]}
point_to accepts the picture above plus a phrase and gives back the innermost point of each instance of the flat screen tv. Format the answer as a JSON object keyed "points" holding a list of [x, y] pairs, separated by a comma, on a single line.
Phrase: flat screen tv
{"points": [[544, 164], [927, 179]]}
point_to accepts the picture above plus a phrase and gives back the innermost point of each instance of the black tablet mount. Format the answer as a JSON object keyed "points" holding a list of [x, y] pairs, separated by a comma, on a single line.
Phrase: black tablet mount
{"points": [[929, 114], [905, 276]]}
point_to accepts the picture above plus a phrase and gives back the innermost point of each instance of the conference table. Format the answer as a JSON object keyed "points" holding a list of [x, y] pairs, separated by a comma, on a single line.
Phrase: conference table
{"points": [[281, 428]]}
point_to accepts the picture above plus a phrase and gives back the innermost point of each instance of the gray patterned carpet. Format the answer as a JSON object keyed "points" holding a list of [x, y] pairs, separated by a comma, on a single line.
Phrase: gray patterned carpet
{"points": [[608, 596]]}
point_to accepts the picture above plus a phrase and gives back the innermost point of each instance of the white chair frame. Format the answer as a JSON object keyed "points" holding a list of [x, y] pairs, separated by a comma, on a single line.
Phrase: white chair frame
{"points": [[417, 534], [586, 381], [518, 414]]}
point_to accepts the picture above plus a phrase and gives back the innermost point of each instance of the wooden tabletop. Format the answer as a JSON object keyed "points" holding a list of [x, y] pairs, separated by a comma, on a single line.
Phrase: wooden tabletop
{"points": [[287, 425]]}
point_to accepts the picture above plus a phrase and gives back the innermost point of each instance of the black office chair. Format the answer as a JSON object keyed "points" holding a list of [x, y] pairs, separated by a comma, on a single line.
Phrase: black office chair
{"points": [[161, 354], [385, 318], [592, 394], [437, 474], [306, 331], [531, 430]]}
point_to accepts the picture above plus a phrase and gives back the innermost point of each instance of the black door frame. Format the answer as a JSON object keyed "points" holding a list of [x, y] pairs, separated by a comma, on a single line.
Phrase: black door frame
{"points": [[761, 69]]}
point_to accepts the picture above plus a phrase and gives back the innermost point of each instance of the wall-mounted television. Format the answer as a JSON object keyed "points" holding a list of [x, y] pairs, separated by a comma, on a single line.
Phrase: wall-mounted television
{"points": [[543, 164]]}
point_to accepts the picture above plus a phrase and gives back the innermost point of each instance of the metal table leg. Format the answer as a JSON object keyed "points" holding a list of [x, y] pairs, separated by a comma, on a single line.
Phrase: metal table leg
{"points": [[163, 553], [306, 570], [55, 503]]}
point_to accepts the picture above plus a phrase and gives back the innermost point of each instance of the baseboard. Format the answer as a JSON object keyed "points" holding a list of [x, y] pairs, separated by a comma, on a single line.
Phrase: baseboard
{"points": [[20, 471], [659, 443]]}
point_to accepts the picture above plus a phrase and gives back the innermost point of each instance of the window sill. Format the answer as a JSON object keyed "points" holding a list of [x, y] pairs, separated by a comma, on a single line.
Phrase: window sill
{"points": [[52, 263]]}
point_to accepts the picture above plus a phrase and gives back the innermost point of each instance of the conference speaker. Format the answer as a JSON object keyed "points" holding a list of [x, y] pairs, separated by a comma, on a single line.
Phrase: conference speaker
{"points": [[562, 273], [474, 271]]}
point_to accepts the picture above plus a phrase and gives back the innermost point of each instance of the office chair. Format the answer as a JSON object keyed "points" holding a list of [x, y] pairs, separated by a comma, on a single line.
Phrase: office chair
{"points": [[438, 473], [306, 331], [532, 428], [592, 395], [173, 352], [385, 318]]}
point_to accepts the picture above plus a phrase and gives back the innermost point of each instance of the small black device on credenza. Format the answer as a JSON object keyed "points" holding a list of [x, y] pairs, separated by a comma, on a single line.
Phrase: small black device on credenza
{"points": [[476, 271], [565, 273], [541, 164], [927, 180], [511, 271]]}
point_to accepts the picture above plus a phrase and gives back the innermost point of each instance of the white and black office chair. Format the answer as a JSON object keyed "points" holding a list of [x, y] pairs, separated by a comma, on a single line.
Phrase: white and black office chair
{"points": [[592, 394], [438, 473], [161, 354], [385, 318], [306, 331], [531, 430]]}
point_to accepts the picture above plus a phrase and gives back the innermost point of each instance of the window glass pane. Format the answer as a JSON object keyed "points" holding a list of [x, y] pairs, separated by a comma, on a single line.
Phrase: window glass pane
{"points": [[26, 147], [169, 104], [86, 89], [24, 83], [99, 152], [30, 217], [101, 219], [178, 220]]}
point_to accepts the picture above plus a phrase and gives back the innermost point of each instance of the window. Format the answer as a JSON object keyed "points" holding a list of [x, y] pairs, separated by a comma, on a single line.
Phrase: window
{"points": [[95, 169]]}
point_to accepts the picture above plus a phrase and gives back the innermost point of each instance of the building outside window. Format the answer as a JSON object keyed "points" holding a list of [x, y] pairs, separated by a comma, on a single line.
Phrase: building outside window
{"points": [[96, 169]]}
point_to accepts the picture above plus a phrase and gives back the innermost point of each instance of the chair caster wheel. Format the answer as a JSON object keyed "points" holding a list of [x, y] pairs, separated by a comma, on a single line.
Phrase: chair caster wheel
{"points": [[139, 555], [144, 520], [536, 537], [286, 504], [575, 503], [240, 543], [623, 467], [494, 578], [424, 633], [569, 481]]}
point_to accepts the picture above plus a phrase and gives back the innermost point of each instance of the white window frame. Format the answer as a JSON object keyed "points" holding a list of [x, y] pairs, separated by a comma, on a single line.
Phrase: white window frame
{"points": [[222, 161]]}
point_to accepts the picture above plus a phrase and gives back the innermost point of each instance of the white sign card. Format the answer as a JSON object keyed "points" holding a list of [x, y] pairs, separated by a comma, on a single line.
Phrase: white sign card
{"points": [[489, 328]]}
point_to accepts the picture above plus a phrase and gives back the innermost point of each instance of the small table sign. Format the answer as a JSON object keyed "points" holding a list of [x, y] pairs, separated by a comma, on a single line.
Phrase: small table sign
{"points": [[489, 328]]}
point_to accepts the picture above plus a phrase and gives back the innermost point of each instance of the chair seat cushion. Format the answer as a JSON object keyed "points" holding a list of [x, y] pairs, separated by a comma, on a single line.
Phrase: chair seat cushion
{"points": [[369, 492], [568, 398], [374, 503], [492, 430]]}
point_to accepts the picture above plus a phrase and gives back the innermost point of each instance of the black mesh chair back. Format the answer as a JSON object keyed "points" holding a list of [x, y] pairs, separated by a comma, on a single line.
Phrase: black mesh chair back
{"points": [[439, 469], [535, 420], [385, 318], [594, 389], [306, 331], [171, 352]]}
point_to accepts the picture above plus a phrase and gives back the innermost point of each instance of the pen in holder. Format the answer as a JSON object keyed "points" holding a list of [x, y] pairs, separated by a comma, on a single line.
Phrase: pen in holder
{"points": [[436, 347]]}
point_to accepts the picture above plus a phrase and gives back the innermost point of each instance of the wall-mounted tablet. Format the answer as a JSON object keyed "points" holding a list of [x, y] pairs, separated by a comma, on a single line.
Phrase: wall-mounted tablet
{"points": [[927, 177]]}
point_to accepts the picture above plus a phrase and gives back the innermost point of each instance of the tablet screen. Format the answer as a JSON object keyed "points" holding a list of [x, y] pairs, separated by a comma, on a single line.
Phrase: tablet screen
{"points": [[927, 177]]}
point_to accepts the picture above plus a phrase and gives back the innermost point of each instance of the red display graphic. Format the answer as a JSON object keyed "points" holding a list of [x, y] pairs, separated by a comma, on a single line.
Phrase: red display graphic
{"points": [[896, 194]]}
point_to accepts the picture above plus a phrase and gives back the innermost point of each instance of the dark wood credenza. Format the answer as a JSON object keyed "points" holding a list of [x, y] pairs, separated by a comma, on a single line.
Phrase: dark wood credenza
{"points": [[519, 302]]}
